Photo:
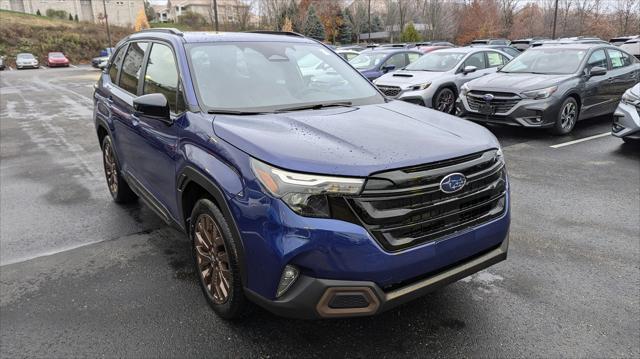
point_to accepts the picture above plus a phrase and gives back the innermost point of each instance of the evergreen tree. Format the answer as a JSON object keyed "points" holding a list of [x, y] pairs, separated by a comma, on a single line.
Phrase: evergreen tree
{"points": [[38, 13], [314, 27], [410, 34], [288, 12], [376, 24], [70, 17], [76, 18], [345, 30]]}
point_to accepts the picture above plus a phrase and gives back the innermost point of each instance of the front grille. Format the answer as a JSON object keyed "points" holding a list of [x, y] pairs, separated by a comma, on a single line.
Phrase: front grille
{"points": [[390, 91], [406, 207], [502, 101]]}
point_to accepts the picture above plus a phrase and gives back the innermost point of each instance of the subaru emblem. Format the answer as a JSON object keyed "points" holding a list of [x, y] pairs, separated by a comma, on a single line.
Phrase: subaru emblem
{"points": [[453, 182], [488, 97]]}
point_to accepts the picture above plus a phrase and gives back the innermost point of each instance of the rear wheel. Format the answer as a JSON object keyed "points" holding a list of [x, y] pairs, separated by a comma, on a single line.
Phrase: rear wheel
{"points": [[631, 140], [444, 100], [567, 117], [118, 187], [216, 260]]}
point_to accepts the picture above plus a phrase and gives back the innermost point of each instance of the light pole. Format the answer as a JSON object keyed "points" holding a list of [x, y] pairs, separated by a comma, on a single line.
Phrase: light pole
{"points": [[555, 19], [215, 14], [106, 21], [369, 12]]}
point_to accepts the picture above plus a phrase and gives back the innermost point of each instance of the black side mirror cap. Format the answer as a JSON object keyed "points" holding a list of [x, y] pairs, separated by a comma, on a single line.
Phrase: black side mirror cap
{"points": [[153, 105], [597, 71], [388, 68]]}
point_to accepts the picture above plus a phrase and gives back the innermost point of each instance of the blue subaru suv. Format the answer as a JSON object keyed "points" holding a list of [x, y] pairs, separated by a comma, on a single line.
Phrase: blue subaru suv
{"points": [[302, 190]]}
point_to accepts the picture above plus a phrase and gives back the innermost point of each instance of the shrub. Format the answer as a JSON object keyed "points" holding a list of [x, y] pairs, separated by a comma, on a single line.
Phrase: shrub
{"points": [[57, 14]]}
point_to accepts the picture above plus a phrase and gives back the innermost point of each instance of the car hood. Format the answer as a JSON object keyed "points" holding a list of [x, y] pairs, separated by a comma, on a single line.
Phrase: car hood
{"points": [[354, 141], [409, 78], [510, 82]]}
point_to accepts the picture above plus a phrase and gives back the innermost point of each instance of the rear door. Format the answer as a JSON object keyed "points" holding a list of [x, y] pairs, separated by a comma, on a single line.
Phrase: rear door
{"points": [[623, 75]]}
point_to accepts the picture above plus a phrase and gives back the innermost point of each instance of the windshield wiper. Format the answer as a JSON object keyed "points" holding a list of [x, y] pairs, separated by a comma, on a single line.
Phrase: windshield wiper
{"points": [[316, 106], [232, 112]]}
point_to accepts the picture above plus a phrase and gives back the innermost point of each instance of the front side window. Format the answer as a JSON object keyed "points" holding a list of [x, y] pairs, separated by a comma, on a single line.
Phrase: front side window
{"points": [[115, 67], [267, 77], [476, 60], [132, 66], [597, 59], [161, 75], [547, 60], [437, 61], [413, 57], [397, 60], [618, 59]]}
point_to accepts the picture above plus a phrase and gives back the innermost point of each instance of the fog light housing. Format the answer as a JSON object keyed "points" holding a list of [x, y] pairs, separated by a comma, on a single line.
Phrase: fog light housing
{"points": [[616, 124], [289, 276]]}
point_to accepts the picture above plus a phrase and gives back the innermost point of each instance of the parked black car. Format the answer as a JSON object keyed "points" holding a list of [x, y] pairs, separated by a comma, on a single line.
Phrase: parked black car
{"points": [[551, 87]]}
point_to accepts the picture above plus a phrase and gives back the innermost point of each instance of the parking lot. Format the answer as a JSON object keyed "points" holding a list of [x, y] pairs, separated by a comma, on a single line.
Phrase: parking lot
{"points": [[82, 276]]}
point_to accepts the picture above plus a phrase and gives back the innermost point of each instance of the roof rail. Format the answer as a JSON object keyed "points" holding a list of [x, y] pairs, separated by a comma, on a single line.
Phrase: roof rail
{"points": [[271, 32], [167, 30]]}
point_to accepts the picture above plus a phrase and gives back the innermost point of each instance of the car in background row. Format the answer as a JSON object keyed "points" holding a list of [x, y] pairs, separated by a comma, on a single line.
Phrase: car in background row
{"points": [[375, 63], [633, 47], [2, 65], [347, 54], [617, 41], [491, 42], [26, 60], [427, 49], [55, 59], [101, 61], [551, 87], [512, 51], [626, 119], [356, 48], [434, 80], [435, 43], [523, 44], [569, 41]]}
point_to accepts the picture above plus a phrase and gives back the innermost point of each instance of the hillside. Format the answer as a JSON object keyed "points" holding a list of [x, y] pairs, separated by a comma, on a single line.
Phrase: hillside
{"points": [[80, 41]]}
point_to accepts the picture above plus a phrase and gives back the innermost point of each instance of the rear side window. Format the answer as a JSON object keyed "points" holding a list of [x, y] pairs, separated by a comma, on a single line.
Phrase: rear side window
{"points": [[132, 65], [476, 60], [598, 58], [413, 57], [115, 67], [161, 76], [495, 59], [618, 59]]}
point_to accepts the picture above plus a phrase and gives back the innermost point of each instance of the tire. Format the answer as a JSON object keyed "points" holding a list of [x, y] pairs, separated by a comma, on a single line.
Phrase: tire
{"points": [[567, 117], [118, 187], [632, 141], [215, 258], [444, 100]]}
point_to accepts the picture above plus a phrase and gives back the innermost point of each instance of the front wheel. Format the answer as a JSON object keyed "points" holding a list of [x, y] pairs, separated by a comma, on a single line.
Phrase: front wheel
{"points": [[216, 260], [444, 100], [567, 117]]}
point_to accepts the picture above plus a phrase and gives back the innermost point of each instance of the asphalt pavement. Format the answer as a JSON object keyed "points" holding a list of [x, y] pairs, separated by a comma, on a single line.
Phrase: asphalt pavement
{"points": [[82, 276]]}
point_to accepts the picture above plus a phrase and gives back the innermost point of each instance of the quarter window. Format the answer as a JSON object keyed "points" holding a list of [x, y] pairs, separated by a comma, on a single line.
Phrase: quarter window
{"points": [[476, 60], [115, 67], [162, 76], [132, 66], [618, 59], [598, 58]]}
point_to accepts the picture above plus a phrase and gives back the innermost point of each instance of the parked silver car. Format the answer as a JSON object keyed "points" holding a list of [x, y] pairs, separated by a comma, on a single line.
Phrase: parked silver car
{"points": [[25, 60], [626, 119], [434, 79]]}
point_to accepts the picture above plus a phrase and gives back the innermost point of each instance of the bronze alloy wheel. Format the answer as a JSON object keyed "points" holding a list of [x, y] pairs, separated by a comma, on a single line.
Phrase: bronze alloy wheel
{"points": [[212, 259], [110, 167]]}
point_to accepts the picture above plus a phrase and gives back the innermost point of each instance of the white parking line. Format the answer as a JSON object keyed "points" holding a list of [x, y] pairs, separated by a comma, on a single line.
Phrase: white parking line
{"points": [[74, 66], [42, 67], [10, 68], [580, 140]]}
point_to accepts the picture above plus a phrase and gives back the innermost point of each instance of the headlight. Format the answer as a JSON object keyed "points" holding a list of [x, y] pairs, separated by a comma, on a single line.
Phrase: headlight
{"points": [[464, 90], [629, 98], [541, 93], [420, 87], [306, 194]]}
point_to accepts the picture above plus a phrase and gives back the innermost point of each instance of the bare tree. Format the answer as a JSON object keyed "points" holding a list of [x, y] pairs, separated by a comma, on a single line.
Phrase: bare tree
{"points": [[507, 12], [624, 15]]}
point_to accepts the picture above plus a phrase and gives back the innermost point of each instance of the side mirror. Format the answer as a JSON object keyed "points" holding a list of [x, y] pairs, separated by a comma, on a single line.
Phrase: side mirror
{"points": [[597, 71], [469, 69], [388, 68], [153, 105]]}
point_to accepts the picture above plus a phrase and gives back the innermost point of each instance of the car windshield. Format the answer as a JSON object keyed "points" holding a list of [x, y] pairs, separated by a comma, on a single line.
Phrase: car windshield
{"points": [[367, 60], [25, 56], [542, 60], [438, 61], [267, 77], [56, 55]]}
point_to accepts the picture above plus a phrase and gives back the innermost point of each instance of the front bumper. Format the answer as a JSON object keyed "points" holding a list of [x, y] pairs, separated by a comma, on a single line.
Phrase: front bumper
{"points": [[626, 121], [525, 113], [313, 298], [29, 66]]}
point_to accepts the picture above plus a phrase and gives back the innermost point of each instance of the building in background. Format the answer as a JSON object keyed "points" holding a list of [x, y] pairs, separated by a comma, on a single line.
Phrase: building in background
{"points": [[229, 11], [120, 12]]}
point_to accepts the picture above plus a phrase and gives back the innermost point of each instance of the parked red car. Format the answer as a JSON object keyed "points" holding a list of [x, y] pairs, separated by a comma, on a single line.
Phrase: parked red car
{"points": [[426, 49], [57, 59]]}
